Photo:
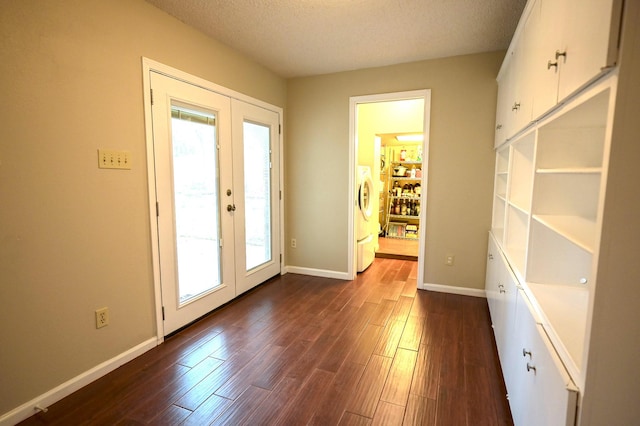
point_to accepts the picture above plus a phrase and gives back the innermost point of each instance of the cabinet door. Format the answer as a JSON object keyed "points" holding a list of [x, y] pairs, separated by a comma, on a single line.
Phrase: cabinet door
{"points": [[501, 290], [524, 85], [546, 24], [509, 293], [491, 283], [505, 101], [540, 390], [590, 34]]}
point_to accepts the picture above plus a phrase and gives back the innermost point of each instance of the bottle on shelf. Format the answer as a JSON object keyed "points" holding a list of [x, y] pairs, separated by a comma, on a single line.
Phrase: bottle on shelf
{"points": [[396, 188]]}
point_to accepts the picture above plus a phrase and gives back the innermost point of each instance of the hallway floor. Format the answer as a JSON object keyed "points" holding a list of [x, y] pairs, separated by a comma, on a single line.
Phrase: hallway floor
{"points": [[302, 350]]}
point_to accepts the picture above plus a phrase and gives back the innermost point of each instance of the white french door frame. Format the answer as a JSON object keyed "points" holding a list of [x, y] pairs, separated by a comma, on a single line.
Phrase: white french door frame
{"points": [[352, 240], [149, 65]]}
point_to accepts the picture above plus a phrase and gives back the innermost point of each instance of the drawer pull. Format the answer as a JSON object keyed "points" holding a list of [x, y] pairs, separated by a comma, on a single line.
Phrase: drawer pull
{"points": [[490, 256], [531, 367], [525, 352], [501, 287], [559, 53], [516, 106], [552, 64]]}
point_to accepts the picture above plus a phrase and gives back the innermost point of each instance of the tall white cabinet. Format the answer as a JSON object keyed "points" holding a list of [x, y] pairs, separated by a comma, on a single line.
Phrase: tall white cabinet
{"points": [[565, 142]]}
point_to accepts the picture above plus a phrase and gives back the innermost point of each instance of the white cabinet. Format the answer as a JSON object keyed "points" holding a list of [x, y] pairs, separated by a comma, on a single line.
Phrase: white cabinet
{"points": [[552, 215], [578, 43], [589, 41], [540, 390], [558, 48], [565, 219], [515, 96], [501, 289]]}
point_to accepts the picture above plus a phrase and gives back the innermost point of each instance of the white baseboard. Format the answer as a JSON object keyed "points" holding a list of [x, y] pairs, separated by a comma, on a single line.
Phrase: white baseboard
{"points": [[317, 272], [464, 291], [28, 409]]}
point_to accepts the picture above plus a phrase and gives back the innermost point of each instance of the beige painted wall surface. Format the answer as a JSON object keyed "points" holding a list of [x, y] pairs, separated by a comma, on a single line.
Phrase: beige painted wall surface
{"points": [[463, 101], [74, 238]]}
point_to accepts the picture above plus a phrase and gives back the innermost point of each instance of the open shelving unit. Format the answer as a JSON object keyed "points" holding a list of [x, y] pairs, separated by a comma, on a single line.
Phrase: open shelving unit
{"points": [[548, 198], [403, 226], [565, 222]]}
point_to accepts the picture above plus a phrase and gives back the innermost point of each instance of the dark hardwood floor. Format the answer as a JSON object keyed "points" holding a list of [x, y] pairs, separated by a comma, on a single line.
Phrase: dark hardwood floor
{"points": [[303, 350]]}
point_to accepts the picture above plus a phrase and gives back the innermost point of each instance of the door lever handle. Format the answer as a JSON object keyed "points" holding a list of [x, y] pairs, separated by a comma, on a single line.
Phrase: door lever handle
{"points": [[231, 207]]}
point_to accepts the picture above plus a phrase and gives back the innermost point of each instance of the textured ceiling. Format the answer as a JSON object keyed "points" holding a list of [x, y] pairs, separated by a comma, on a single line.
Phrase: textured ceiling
{"points": [[308, 37]]}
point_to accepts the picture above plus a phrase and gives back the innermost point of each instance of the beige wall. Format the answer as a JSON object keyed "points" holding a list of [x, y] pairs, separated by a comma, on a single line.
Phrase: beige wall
{"points": [[74, 238], [463, 99]]}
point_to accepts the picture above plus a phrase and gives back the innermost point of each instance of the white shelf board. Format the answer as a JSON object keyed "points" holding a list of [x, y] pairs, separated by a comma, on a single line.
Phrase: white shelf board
{"points": [[564, 311], [578, 230], [517, 207], [570, 170]]}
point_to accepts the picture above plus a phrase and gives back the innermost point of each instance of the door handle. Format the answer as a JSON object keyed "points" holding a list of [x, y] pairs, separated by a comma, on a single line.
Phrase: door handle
{"points": [[231, 207]]}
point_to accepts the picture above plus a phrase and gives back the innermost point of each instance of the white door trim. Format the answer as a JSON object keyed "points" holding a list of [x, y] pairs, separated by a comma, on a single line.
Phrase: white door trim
{"points": [[353, 160], [149, 65]]}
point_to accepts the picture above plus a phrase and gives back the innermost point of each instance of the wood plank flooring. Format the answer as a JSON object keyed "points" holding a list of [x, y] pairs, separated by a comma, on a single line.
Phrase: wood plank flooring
{"points": [[395, 248], [302, 350]]}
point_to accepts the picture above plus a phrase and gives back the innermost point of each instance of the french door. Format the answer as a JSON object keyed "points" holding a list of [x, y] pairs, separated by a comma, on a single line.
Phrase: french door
{"points": [[215, 180], [256, 159]]}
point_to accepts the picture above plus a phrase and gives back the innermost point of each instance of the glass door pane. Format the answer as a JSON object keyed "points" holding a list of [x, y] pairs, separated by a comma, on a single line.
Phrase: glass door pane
{"points": [[196, 202], [257, 194]]}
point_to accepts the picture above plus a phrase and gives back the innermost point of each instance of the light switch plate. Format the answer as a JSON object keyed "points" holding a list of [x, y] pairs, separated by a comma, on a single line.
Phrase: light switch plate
{"points": [[111, 159]]}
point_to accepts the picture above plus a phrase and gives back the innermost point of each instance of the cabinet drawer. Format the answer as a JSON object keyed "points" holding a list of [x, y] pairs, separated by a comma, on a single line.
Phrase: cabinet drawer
{"points": [[540, 389]]}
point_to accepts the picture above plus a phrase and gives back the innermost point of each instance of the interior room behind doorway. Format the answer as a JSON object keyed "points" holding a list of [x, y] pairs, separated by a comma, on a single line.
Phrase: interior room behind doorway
{"points": [[390, 143]]}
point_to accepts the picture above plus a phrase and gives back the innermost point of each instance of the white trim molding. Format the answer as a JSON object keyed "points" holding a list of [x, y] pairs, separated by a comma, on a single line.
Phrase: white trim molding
{"points": [[354, 101], [464, 291], [324, 273], [28, 409]]}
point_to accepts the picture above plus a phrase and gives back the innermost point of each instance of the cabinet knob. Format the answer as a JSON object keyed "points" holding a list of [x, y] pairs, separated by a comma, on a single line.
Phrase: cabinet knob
{"points": [[531, 367], [231, 207], [559, 54], [525, 352], [552, 64]]}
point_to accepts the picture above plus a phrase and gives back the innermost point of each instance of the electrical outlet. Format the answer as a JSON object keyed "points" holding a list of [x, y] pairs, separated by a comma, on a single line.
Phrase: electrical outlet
{"points": [[102, 317], [449, 260], [110, 159], [294, 243]]}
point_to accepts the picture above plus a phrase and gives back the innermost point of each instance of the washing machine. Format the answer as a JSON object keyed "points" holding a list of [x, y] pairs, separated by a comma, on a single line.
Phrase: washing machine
{"points": [[365, 218]]}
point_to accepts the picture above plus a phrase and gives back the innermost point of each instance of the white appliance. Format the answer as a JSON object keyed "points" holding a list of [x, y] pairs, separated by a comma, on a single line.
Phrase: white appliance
{"points": [[365, 192]]}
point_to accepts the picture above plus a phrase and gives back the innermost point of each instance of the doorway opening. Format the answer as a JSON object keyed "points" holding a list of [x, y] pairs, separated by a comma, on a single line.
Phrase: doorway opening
{"points": [[389, 137]]}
